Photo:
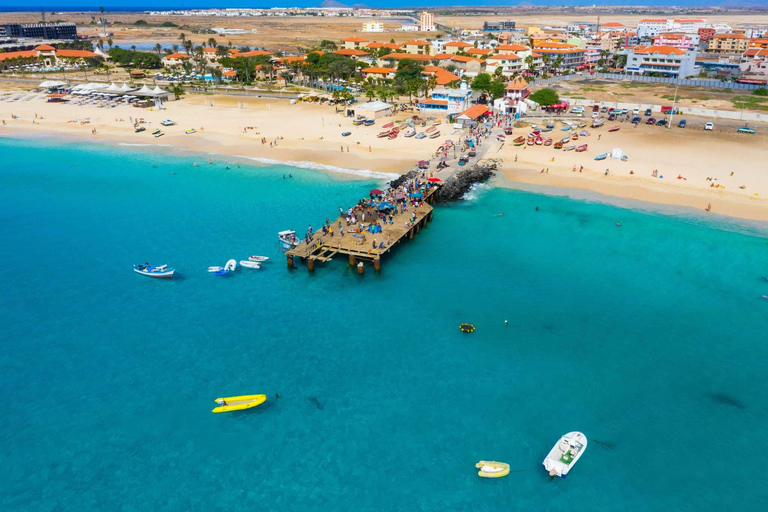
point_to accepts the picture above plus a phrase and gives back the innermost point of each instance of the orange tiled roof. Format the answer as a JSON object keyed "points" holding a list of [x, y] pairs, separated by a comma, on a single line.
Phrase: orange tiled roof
{"points": [[613, 24], [177, 56], [505, 56], [354, 40], [229, 73], [552, 45], [349, 52], [475, 112], [464, 58], [400, 56], [378, 71], [44, 48], [662, 50], [253, 53], [479, 51], [730, 36], [416, 42], [75, 53], [457, 44], [517, 84], [512, 48]]}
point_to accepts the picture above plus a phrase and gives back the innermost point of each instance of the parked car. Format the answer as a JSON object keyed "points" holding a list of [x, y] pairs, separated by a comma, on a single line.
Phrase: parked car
{"points": [[647, 112], [746, 129], [636, 120], [624, 111], [604, 109], [681, 124], [709, 126], [612, 117], [650, 120], [636, 112], [595, 108], [595, 114], [661, 122]]}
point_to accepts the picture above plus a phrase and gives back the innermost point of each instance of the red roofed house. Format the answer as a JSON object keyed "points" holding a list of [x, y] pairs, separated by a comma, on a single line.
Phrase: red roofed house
{"points": [[442, 76], [378, 73], [401, 56], [705, 34], [47, 55], [613, 27], [572, 56], [516, 91], [754, 66], [417, 47], [728, 43], [353, 54], [661, 60], [470, 65], [456, 46], [509, 63], [175, 59], [354, 43]]}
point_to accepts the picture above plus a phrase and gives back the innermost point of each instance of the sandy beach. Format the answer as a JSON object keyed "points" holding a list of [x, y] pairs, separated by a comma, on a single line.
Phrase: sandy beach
{"points": [[713, 166]]}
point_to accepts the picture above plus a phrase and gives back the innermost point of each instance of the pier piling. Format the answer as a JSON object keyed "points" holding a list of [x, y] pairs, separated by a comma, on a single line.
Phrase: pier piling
{"points": [[290, 261], [311, 264], [377, 264], [360, 269]]}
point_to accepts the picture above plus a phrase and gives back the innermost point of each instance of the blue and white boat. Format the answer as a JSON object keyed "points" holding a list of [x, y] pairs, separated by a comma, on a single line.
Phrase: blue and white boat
{"points": [[230, 266], [152, 271], [601, 156]]}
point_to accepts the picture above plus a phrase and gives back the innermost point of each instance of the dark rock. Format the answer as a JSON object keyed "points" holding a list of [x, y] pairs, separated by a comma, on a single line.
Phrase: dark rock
{"points": [[455, 187]]}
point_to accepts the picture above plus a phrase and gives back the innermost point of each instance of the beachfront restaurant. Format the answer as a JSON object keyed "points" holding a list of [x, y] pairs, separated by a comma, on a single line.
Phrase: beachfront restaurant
{"points": [[472, 116]]}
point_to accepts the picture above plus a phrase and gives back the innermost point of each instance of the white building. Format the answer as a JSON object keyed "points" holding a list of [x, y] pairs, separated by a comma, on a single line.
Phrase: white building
{"points": [[427, 22], [654, 27], [409, 28], [660, 60], [373, 26]]}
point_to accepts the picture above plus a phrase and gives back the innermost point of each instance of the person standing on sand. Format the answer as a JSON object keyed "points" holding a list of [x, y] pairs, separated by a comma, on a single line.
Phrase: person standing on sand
{"points": [[709, 207]]}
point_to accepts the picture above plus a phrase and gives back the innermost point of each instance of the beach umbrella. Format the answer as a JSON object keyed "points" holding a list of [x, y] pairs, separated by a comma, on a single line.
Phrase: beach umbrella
{"points": [[423, 162], [400, 195], [434, 180], [385, 205], [416, 194], [376, 192]]}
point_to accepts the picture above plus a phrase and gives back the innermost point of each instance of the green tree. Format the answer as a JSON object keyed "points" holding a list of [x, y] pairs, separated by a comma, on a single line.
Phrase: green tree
{"points": [[545, 97], [482, 83], [760, 91], [409, 69], [177, 91], [327, 45]]}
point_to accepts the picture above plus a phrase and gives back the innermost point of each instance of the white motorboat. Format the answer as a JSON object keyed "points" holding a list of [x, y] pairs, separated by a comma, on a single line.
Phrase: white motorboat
{"points": [[565, 453], [250, 264], [230, 266], [260, 259], [288, 238]]}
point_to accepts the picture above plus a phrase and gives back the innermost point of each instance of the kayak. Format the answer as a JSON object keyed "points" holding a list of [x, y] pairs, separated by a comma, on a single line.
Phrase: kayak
{"points": [[237, 403]]}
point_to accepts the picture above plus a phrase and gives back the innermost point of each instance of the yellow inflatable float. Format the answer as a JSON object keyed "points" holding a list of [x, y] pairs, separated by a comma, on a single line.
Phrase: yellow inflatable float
{"points": [[492, 469], [238, 403]]}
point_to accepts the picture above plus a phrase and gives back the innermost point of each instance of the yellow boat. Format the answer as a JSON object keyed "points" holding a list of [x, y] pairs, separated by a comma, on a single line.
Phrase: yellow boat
{"points": [[237, 403], [492, 469]]}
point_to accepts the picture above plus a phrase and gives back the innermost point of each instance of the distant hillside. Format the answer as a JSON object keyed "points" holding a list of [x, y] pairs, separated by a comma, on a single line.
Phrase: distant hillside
{"points": [[332, 3]]}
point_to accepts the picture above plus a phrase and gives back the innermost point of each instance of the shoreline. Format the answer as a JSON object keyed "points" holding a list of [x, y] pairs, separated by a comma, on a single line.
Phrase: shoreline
{"points": [[698, 167]]}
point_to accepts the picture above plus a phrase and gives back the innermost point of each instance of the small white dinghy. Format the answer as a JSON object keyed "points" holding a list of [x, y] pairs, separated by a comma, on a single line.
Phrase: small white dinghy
{"points": [[260, 259], [565, 453], [230, 266], [250, 264]]}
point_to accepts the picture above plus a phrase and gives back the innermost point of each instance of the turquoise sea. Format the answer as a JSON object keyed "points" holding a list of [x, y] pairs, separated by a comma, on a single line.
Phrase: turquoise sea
{"points": [[650, 338]]}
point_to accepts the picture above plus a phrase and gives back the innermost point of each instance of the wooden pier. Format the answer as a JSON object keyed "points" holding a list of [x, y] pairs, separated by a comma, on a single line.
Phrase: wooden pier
{"points": [[360, 250]]}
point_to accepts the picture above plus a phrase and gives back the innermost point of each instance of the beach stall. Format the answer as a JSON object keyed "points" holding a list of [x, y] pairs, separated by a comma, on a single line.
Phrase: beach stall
{"points": [[53, 86], [375, 109]]}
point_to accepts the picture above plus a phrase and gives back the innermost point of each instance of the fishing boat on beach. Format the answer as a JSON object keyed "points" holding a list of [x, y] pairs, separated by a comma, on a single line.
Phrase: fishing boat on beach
{"points": [[190, 131], [519, 141], [238, 403], [492, 469], [383, 134], [575, 136], [564, 455], [369, 122], [569, 148], [139, 129], [601, 156], [152, 271], [558, 145], [288, 238], [434, 135], [160, 134], [388, 125], [430, 129], [508, 130], [582, 148], [410, 132], [548, 142], [614, 129], [346, 134], [598, 122], [566, 140], [464, 160], [421, 135]]}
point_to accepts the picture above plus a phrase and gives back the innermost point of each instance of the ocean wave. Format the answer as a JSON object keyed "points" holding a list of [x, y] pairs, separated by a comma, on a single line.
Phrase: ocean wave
{"points": [[476, 190], [323, 167], [144, 145]]}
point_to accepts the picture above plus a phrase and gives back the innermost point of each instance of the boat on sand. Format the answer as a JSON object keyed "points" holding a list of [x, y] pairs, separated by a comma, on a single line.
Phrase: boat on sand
{"points": [[563, 456], [492, 469], [238, 403]]}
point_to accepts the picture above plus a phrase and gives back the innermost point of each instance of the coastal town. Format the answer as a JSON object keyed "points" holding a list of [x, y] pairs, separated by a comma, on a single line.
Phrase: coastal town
{"points": [[542, 88]]}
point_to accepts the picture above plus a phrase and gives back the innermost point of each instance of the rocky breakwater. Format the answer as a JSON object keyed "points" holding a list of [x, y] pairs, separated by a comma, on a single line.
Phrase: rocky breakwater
{"points": [[454, 188]]}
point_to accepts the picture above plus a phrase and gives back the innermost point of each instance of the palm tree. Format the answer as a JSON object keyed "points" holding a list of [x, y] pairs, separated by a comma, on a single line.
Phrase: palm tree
{"points": [[100, 44], [183, 37], [175, 48], [188, 46], [109, 42], [558, 61], [133, 47], [529, 62], [158, 48], [211, 42]]}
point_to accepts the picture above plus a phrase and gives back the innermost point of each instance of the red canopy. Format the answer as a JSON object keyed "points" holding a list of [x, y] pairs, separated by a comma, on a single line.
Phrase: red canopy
{"points": [[376, 192], [434, 180]]}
